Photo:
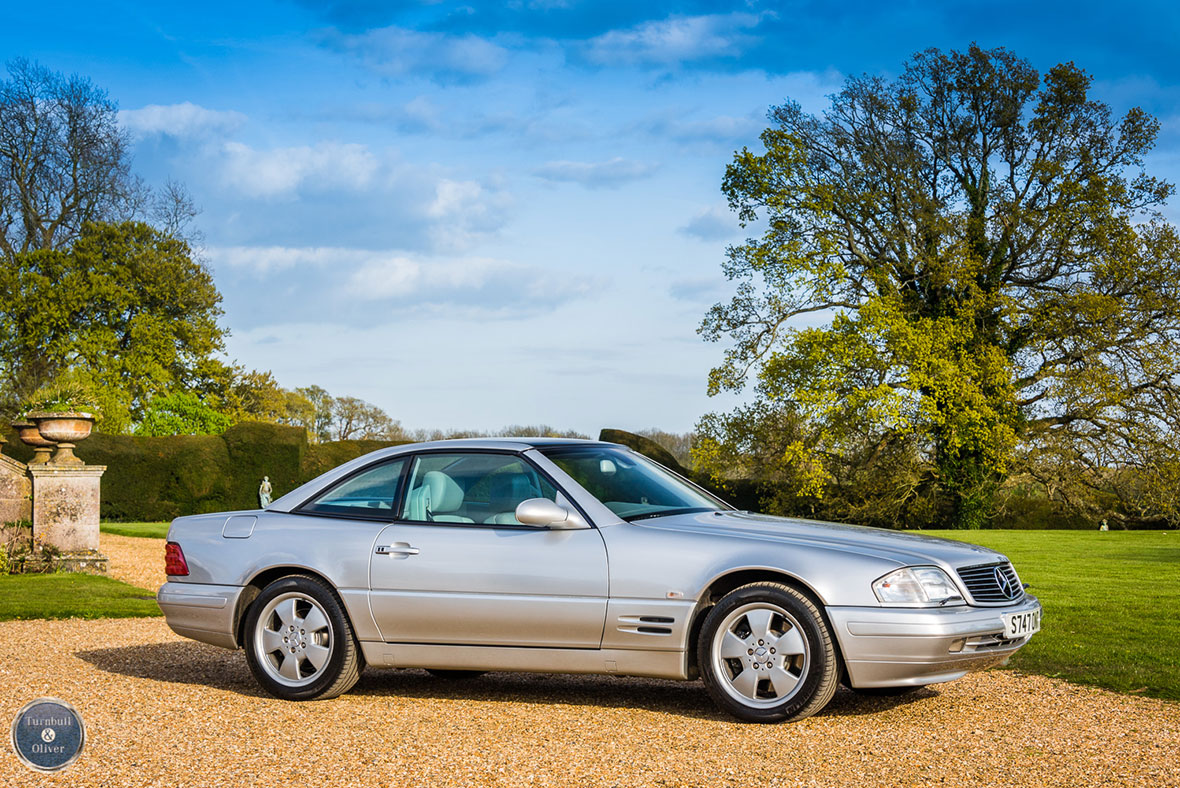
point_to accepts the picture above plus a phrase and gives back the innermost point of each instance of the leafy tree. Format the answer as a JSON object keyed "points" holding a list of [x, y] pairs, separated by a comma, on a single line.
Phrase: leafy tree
{"points": [[510, 431], [181, 413], [328, 418], [966, 263], [354, 418], [63, 159], [679, 445], [127, 307], [315, 411], [239, 393]]}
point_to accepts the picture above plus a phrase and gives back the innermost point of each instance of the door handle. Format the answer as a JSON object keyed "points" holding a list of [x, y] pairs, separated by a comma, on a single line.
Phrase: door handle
{"points": [[397, 549]]}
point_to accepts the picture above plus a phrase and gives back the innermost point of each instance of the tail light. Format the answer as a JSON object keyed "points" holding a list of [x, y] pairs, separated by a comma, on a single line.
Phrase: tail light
{"points": [[174, 563]]}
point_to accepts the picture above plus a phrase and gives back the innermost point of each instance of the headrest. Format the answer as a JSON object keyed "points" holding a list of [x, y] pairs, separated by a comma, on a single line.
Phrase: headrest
{"points": [[514, 487], [443, 493]]}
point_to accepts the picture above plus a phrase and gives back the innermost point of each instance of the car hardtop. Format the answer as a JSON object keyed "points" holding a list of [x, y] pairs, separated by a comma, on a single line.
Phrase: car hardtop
{"points": [[299, 495]]}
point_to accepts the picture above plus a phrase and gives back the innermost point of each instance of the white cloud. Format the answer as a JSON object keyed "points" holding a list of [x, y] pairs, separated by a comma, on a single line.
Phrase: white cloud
{"points": [[489, 285], [454, 197], [698, 290], [674, 40], [180, 120], [812, 89], [594, 175], [715, 223], [723, 129], [422, 113], [268, 259], [268, 173], [374, 198], [398, 52], [463, 212]]}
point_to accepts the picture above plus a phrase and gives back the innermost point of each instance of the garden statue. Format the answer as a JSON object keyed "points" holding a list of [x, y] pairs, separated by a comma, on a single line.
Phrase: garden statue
{"points": [[264, 491]]}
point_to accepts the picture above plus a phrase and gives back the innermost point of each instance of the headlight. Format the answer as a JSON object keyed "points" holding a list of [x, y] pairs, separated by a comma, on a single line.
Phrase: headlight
{"points": [[917, 586]]}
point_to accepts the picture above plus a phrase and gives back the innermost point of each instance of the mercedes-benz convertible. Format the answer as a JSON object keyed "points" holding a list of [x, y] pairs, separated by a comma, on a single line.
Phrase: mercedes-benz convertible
{"points": [[564, 556]]}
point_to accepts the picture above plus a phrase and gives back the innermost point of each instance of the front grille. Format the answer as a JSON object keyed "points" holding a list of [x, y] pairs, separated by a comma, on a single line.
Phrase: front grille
{"points": [[985, 586]]}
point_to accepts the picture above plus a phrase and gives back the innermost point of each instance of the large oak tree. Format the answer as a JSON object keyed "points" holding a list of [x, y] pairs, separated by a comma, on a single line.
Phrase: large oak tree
{"points": [[963, 270]]}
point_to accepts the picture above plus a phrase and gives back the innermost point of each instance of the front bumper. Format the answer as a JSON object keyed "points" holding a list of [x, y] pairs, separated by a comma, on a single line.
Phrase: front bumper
{"points": [[207, 613], [896, 647]]}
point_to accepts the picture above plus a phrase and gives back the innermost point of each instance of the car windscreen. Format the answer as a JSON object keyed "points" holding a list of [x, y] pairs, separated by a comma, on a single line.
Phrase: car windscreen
{"points": [[629, 484]]}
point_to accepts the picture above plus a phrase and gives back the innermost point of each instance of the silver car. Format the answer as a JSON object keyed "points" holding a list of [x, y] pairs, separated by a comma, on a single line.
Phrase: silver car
{"points": [[568, 556]]}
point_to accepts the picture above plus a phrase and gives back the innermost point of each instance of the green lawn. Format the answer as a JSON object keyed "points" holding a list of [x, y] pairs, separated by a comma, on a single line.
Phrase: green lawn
{"points": [[1111, 602], [72, 595], [151, 530]]}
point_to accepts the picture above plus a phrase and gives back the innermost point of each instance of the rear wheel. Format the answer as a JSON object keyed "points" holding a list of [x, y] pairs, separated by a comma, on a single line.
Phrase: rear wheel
{"points": [[300, 644], [766, 654]]}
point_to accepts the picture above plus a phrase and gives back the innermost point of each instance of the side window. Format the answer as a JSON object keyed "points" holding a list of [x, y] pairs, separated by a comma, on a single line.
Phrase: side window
{"points": [[476, 488], [371, 492]]}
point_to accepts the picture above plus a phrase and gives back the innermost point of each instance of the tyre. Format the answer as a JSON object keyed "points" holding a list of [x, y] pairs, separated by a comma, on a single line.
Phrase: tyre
{"points": [[766, 654], [455, 675], [299, 642]]}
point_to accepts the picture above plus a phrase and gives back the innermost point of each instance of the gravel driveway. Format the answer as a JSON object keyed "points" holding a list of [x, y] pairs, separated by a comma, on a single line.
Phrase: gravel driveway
{"points": [[165, 711], [135, 560]]}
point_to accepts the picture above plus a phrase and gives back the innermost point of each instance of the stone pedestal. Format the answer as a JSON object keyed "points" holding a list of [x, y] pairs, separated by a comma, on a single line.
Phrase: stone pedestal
{"points": [[16, 491], [65, 506]]}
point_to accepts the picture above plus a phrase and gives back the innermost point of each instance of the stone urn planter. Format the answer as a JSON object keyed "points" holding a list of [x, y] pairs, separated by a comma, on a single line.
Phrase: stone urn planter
{"points": [[30, 436], [64, 429]]}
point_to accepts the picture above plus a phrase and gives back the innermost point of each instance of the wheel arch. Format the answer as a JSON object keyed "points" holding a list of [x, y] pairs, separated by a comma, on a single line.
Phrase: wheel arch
{"points": [[721, 585], [264, 578]]}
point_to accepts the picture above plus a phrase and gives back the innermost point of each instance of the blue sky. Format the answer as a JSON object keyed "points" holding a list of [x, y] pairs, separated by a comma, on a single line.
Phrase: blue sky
{"points": [[481, 214]]}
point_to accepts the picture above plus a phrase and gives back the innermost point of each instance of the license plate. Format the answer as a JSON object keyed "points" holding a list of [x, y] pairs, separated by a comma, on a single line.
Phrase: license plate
{"points": [[1021, 625]]}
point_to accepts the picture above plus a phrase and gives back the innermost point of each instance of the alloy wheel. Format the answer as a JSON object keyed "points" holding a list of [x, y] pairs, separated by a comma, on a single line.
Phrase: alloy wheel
{"points": [[760, 655], [293, 639]]}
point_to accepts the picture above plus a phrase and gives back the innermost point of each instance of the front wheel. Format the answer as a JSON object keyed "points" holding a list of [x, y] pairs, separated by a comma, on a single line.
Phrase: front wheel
{"points": [[299, 643], [766, 654]]}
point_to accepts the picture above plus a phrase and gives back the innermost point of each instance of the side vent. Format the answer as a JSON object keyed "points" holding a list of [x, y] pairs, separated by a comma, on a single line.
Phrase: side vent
{"points": [[646, 625]]}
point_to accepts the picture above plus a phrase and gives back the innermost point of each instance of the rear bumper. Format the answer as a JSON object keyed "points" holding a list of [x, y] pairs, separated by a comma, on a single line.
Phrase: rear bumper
{"points": [[895, 647], [207, 613]]}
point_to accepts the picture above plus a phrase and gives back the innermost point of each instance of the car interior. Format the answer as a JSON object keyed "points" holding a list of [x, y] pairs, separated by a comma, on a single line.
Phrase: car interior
{"points": [[471, 488]]}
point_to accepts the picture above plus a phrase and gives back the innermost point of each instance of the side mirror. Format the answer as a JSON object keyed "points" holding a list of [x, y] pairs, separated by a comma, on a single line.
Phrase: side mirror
{"points": [[542, 513]]}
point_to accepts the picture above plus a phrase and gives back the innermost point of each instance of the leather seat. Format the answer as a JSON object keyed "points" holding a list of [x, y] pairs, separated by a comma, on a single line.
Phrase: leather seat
{"points": [[508, 490], [436, 500]]}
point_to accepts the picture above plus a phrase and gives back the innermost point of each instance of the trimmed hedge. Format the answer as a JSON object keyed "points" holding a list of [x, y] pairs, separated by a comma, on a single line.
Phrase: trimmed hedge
{"points": [[155, 479], [323, 457], [257, 450], [645, 446]]}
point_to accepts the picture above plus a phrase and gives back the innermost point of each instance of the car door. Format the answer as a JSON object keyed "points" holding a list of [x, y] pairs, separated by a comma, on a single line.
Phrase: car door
{"points": [[457, 568]]}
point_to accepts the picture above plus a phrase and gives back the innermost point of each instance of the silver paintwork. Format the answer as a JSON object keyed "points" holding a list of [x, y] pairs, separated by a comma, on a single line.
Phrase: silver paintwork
{"points": [[207, 613], [890, 647], [545, 513], [596, 595]]}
